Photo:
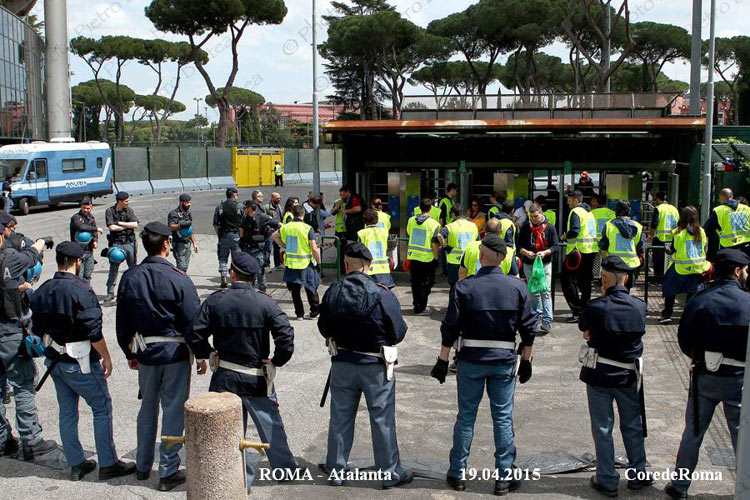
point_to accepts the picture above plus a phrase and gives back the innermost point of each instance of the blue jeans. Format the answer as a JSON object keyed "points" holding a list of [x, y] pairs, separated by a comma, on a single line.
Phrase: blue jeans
{"points": [[500, 382], [170, 385], [349, 381], [228, 244], [20, 373], [71, 385], [87, 266], [181, 251], [129, 249], [542, 302], [603, 421], [265, 414], [712, 390]]}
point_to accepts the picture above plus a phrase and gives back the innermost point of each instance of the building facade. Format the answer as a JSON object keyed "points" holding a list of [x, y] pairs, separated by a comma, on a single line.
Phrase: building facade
{"points": [[22, 106]]}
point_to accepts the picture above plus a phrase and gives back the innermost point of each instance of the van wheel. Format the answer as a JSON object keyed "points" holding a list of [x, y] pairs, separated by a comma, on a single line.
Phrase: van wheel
{"points": [[23, 206]]}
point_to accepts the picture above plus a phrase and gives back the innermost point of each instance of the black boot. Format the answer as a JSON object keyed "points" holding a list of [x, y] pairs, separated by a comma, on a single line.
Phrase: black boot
{"points": [[170, 482], [10, 447], [117, 470], [456, 483], [78, 471], [42, 447]]}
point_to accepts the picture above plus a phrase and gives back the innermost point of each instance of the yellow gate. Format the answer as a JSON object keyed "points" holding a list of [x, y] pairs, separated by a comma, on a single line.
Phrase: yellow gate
{"points": [[255, 166]]}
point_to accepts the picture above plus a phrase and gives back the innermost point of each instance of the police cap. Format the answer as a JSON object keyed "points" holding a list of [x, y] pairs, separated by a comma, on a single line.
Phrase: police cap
{"points": [[70, 249], [245, 263], [615, 264], [732, 256], [185, 197], [122, 195], [358, 250], [495, 243], [5, 219], [231, 191], [158, 228]]}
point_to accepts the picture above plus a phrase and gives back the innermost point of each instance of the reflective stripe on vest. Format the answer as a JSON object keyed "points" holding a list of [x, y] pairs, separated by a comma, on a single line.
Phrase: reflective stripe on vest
{"points": [[689, 257], [340, 224], [376, 240], [623, 247], [602, 215], [295, 236], [586, 240], [420, 239], [668, 218], [460, 234], [734, 225]]}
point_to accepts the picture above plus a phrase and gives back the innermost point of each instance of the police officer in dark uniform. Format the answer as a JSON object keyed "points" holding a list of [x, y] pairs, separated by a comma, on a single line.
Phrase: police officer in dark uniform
{"points": [[254, 231], [362, 363], [15, 366], [227, 222], [82, 227], [155, 304], [240, 320], [612, 327], [122, 222], [67, 311], [180, 222], [713, 332], [484, 313]]}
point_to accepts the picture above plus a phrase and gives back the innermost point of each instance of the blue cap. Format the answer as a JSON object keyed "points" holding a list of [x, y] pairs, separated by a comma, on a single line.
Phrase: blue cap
{"points": [[732, 256], [5, 219], [358, 250], [615, 264], [70, 249], [158, 228], [122, 195], [245, 263]]}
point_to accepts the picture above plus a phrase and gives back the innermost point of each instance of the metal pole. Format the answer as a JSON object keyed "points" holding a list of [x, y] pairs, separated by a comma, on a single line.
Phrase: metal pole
{"points": [[742, 487], [58, 78], [706, 202], [695, 60], [316, 125]]}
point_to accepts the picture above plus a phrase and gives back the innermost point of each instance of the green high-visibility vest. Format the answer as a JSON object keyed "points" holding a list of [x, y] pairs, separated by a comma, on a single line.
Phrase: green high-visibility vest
{"points": [[623, 247], [460, 234], [734, 224], [279, 169], [288, 217], [448, 203], [384, 221], [473, 265], [295, 236], [689, 255], [602, 215], [434, 213], [668, 218], [376, 240], [585, 242], [493, 211], [551, 217], [340, 224], [420, 239]]}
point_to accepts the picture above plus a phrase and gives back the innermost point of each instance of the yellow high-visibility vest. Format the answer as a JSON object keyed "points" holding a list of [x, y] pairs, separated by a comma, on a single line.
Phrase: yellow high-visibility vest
{"points": [[623, 247], [689, 255], [460, 234], [376, 240], [734, 224], [420, 239], [668, 218], [296, 237], [473, 265], [586, 240]]}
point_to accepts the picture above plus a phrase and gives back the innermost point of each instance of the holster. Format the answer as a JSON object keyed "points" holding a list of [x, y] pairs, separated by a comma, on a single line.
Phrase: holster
{"points": [[332, 348], [587, 356], [390, 357], [80, 352], [213, 361], [713, 360], [269, 373]]}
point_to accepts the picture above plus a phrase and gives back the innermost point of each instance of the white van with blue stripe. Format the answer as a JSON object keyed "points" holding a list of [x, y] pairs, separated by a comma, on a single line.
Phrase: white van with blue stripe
{"points": [[47, 173]]}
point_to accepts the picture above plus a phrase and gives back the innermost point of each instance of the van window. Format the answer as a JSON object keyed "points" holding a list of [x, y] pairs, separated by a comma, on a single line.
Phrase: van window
{"points": [[99, 162], [40, 166], [74, 165]]}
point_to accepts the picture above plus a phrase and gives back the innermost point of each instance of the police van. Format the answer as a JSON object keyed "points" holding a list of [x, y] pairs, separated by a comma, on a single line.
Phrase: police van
{"points": [[47, 173]]}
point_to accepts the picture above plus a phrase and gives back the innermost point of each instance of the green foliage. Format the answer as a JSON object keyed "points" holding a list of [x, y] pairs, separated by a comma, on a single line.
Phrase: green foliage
{"points": [[238, 97], [657, 44], [740, 159]]}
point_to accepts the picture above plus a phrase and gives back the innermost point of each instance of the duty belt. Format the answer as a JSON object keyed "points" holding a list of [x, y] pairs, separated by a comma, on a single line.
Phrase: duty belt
{"points": [[76, 350], [389, 355], [487, 344], [268, 372], [143, 342], [589, 357], [715, 359]]}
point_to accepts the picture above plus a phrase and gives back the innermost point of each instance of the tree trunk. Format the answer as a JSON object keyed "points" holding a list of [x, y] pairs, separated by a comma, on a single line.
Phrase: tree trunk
{"points": [[223, 128]]}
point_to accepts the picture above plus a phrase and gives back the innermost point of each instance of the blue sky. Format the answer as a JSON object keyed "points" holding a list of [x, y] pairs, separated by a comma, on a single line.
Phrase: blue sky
{"points": [[276, 61]]}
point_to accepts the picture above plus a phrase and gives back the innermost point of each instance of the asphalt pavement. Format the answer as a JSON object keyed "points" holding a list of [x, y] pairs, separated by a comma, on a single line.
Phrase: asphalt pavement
{"points": [[550, 415]]}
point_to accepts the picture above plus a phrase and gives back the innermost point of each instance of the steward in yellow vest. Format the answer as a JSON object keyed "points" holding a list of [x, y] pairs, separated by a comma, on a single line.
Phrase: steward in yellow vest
{"points": [[622, 238], [577, 272], [663, 222], [422, 254], [470, 262], [601, 213], [455, 237], [375, 238], [446, 204], [730, 221]]}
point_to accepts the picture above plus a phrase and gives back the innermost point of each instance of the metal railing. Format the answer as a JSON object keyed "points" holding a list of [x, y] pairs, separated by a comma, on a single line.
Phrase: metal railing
{"points": [[327, 265]]}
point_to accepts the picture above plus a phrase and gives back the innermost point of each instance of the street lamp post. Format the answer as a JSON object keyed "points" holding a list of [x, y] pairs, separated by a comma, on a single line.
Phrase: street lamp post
{"points": [[316, 132], [706, 204]]}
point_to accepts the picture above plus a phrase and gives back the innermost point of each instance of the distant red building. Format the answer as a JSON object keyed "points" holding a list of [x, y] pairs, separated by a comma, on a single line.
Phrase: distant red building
{"points": [[681, 106], [303, 112]]}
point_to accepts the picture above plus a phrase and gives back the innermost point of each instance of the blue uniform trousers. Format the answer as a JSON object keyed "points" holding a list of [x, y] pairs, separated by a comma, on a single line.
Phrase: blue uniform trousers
{"points": [[260, 256], [170, 385], [603, 421], [129, 249], [348, 382], [20, 373], [500, 383], [712, 390], [229, 242], [452, 273], [71, 385], [181, 251], [265, 414], [87, 266]]}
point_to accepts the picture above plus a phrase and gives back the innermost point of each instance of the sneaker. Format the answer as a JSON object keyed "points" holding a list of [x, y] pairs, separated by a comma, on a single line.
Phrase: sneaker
{"points": [[408, 478], [672, 492], [502, 488], [601, 489], [10, 447], [42, 447], [572, 319], [664, 320], [77, 472], [171, 482], [117, 470], [453, 367]]}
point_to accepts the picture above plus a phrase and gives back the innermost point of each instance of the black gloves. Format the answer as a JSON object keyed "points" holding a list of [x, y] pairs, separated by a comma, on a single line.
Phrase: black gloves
{"points": [[48, 242], [524, 371], [439, 371]]}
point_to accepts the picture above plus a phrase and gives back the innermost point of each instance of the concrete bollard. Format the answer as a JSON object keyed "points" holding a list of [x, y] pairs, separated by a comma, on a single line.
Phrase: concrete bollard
{"points": [[213, 432]]}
